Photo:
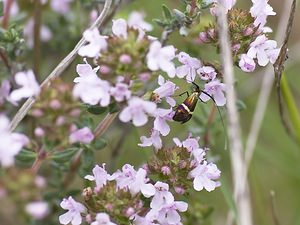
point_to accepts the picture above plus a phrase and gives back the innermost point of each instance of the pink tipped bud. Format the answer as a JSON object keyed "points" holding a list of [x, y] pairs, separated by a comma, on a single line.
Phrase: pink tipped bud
{"points": [[125, 59], [104, 69], [203, 37], [60, 120], [55, 104], [144, 76], [248, 31], [236, 47], [109, 207], [39, 132], [129, 212], [182, 164], [179, 190], [37, 113], [166, 170]]}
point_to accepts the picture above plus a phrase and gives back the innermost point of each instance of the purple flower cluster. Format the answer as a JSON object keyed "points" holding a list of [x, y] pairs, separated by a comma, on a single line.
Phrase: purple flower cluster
{"points": [[130, 186]]}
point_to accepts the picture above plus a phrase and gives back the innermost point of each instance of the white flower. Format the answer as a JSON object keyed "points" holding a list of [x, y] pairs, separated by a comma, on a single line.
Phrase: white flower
{"points": [[264, 50], [160, 57], [90, 88], [97, 43], [74, 211], [30, 86], [215, 89], [137, 111], [204, 176]]}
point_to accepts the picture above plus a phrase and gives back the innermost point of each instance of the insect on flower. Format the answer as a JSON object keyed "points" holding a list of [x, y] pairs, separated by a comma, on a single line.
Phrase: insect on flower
{"points": [[185, 110]]}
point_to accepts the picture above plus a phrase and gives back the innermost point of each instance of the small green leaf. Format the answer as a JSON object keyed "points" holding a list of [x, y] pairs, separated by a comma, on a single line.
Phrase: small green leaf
{"points": [[113, 107], [96, 110], [241, 105], [99, 144], [87, 162], [64, 156], [26, 156], [159, 22], [167, 12]]}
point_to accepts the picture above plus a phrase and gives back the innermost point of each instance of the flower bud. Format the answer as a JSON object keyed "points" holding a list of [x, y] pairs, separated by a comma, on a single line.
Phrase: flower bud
{"points": [[166, 170], [203, 37], [104, 69], [179, 190], [125, 59], [55, 104], [39, 132]]}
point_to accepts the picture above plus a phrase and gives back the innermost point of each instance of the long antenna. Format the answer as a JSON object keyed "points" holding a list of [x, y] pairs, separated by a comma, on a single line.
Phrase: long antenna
{"points": [[220, 115]]}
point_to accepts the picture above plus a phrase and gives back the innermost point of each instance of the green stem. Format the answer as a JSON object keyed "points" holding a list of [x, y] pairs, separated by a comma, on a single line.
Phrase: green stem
{"points": [[291, 107]]}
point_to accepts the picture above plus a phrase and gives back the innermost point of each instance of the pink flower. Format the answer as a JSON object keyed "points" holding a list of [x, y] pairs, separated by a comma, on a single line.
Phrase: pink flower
{"points": [[90, 88], [125, 176], [4, 91], [260, 11], [97, 43], [197, 156], [263, 49], [154, 140], [189, 67], [246, 63], [214, 88], [10, 143], [137, 111], [83, 135], [160, 57], [102, 219], [136, 20], [160, 124], [166, 90], [61, 6], [119, 28], [169, 215], [121, 92], [74, 211], [190, 143], [100, 176], [38, 210], [204, 176], [30, 86], [45, 33], [162, 196], [140, 184], [207, 73], [134, 181]]}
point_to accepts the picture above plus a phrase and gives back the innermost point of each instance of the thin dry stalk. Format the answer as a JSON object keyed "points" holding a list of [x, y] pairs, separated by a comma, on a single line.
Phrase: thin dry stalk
{"points": [[242, 198], [265, 91], [59, 69]]}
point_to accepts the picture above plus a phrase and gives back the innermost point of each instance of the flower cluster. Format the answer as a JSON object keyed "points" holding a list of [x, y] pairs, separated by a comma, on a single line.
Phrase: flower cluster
{"points": [[250, 44], [128, 195]]}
